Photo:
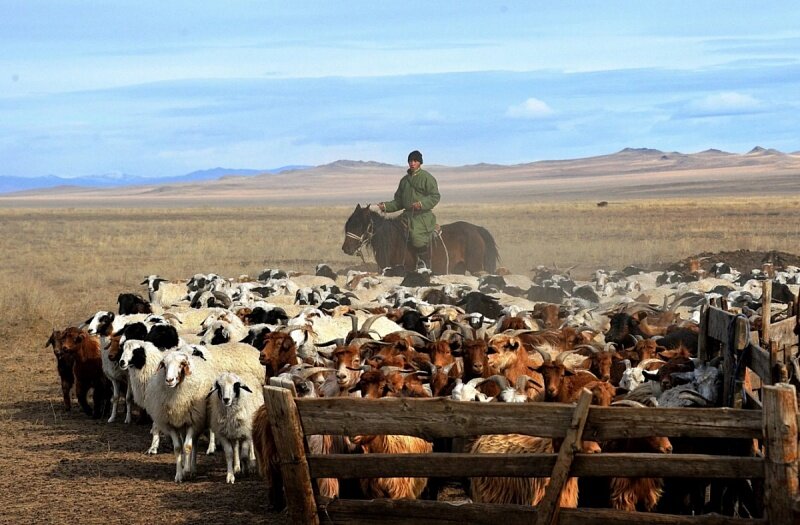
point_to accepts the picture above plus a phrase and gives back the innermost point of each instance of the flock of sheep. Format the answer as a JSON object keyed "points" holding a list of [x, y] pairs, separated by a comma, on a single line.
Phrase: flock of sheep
{"points": [[196, 354]]}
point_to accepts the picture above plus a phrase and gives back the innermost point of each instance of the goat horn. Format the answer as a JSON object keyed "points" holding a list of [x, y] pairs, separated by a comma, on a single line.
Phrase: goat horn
{"points": [[501, 381], [693, 395], [628, 403], [369, 322], [563, 355], [545, 355], [308, 372], [339, 341]]}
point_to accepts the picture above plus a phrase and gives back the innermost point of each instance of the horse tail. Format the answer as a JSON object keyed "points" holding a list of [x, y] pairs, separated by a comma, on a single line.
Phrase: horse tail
{"points": [[491, 257]]}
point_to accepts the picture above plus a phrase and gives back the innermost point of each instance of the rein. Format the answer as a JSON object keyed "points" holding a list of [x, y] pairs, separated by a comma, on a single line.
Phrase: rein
{"points": [[363, 239]]}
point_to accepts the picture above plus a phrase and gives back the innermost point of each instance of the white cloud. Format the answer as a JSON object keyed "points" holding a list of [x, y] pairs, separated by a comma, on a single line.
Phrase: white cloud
{"points": [[729, 101], [532, 108]]}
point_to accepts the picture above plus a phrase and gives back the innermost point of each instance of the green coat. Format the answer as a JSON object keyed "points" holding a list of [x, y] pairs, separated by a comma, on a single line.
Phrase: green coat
{"points": [[418, 186]]}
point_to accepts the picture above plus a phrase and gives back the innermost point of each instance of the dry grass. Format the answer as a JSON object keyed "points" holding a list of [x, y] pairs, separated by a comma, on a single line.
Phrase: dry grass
{"points": [[61, 265]]}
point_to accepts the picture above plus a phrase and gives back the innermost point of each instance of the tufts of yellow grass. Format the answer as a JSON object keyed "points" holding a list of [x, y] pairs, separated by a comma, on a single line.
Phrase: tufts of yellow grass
{"points": [[61, 265]]}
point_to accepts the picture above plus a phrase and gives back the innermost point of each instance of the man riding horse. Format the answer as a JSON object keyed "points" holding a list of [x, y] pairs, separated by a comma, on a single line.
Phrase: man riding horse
{"points": [[417, 194]]}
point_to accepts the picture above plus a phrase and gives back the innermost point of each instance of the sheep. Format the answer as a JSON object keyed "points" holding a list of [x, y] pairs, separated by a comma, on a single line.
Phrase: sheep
{"points": [[104, 324], [219, 332], [130, 303], [176, 400], [239, 358], [83, 350], [140, 359], [231, 414]]}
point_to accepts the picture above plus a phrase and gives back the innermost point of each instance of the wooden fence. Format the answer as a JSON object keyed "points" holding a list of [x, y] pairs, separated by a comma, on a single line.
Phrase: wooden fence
{"points": [[293, 419], [750, 359]]}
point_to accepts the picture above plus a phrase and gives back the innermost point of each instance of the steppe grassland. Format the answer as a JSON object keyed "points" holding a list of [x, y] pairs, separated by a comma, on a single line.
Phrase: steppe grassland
{"points": [[61, 265]]}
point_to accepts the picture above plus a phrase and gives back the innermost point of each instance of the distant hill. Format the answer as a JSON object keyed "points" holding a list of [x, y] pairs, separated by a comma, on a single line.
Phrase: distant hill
{"points": [[631, 173], [121, 180]]}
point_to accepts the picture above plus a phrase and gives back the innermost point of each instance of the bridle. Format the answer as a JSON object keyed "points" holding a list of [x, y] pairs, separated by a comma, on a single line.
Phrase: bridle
{"points": [[363, 239]]}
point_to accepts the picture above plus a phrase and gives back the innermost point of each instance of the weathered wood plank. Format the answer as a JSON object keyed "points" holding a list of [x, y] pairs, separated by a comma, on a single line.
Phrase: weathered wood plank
{"points": [[781, 466], [766, 312], [290, 445], [432, 418], [760, 364], [782, 332], [549, 507], [444, 465], [391, 512], [718, 324], [702, 340]]}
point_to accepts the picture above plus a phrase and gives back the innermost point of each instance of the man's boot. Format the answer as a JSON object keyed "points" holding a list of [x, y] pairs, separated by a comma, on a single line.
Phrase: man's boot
{"points": [[424, 258]]}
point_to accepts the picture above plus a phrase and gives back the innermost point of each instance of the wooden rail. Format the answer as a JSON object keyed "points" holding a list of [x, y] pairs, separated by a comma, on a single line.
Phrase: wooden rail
{"points": [[293, 419]]}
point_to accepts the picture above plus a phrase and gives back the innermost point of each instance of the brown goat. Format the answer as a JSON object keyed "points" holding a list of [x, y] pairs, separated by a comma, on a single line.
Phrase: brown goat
{"points": [[509, 357], [632, 493], [84, 350], [375, 385], [519, 490], [393, 488], [64, 363], [279, 350], [267, 458]]}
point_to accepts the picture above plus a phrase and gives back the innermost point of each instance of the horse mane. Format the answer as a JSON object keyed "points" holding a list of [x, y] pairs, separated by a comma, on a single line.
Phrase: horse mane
{"points": [[388, 233]]}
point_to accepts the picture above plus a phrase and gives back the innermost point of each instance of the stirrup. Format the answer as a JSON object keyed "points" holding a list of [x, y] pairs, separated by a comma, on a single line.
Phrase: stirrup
{"points": [[421, 264]]}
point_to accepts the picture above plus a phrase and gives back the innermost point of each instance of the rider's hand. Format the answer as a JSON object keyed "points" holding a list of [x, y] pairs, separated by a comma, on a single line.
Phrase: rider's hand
{"points": [[416, 206]]}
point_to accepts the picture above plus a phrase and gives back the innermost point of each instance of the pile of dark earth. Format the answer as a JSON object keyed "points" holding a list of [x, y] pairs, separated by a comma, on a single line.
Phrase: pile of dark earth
{"points": [[742, 260]]}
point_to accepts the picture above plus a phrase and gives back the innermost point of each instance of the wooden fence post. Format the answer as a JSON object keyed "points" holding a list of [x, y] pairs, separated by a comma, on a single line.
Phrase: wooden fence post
{"points": [[702, 340], [290, 445], [548, 507], [766, 312], [780, 437]]}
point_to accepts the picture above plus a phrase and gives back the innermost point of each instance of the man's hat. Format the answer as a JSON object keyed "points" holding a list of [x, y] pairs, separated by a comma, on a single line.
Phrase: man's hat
{"points": [[415, 155]]}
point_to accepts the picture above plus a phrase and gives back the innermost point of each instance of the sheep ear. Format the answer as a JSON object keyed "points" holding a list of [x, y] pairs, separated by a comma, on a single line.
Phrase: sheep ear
{"points": [[160, 366], [213, 389], [89, 320], [245, 387], [51, 341]]}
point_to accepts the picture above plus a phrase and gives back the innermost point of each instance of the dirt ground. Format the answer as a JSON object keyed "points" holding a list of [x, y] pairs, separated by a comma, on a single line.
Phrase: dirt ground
{"points": [[63, 467]]}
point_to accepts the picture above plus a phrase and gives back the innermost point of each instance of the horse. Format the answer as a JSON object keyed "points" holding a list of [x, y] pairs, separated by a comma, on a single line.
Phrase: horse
{"points": [[457, 248]]}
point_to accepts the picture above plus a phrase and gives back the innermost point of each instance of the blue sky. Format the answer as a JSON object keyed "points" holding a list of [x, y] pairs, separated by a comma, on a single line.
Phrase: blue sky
{"points": [[165, 88]]}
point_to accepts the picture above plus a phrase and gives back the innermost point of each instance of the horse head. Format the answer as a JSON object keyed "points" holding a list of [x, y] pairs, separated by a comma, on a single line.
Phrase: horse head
{"points": [[357, 230]]}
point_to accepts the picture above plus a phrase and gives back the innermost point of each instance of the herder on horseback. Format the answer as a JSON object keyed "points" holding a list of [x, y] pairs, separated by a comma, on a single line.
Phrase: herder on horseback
{"points": [[417, 194]]}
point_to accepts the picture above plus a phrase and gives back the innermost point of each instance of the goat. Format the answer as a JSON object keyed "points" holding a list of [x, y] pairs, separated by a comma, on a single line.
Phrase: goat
{"points": [[83, 350], [64, 364], [519, 490], [507, 356]]}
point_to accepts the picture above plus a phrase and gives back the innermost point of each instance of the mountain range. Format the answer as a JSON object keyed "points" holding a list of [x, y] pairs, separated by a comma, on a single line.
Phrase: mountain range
{"points": [[10, 184], [631, 173]]}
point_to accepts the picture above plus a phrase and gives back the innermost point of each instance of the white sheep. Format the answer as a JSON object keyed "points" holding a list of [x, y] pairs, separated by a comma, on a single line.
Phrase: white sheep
{"points": [[219, 332], [239, 358], [140, 360], [164, 293], [231, 414], [105, 324], [176, 400]]}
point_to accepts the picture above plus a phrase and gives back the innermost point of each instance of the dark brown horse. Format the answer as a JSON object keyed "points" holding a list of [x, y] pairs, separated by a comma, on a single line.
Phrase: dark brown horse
{"points": [[462, 247]]}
